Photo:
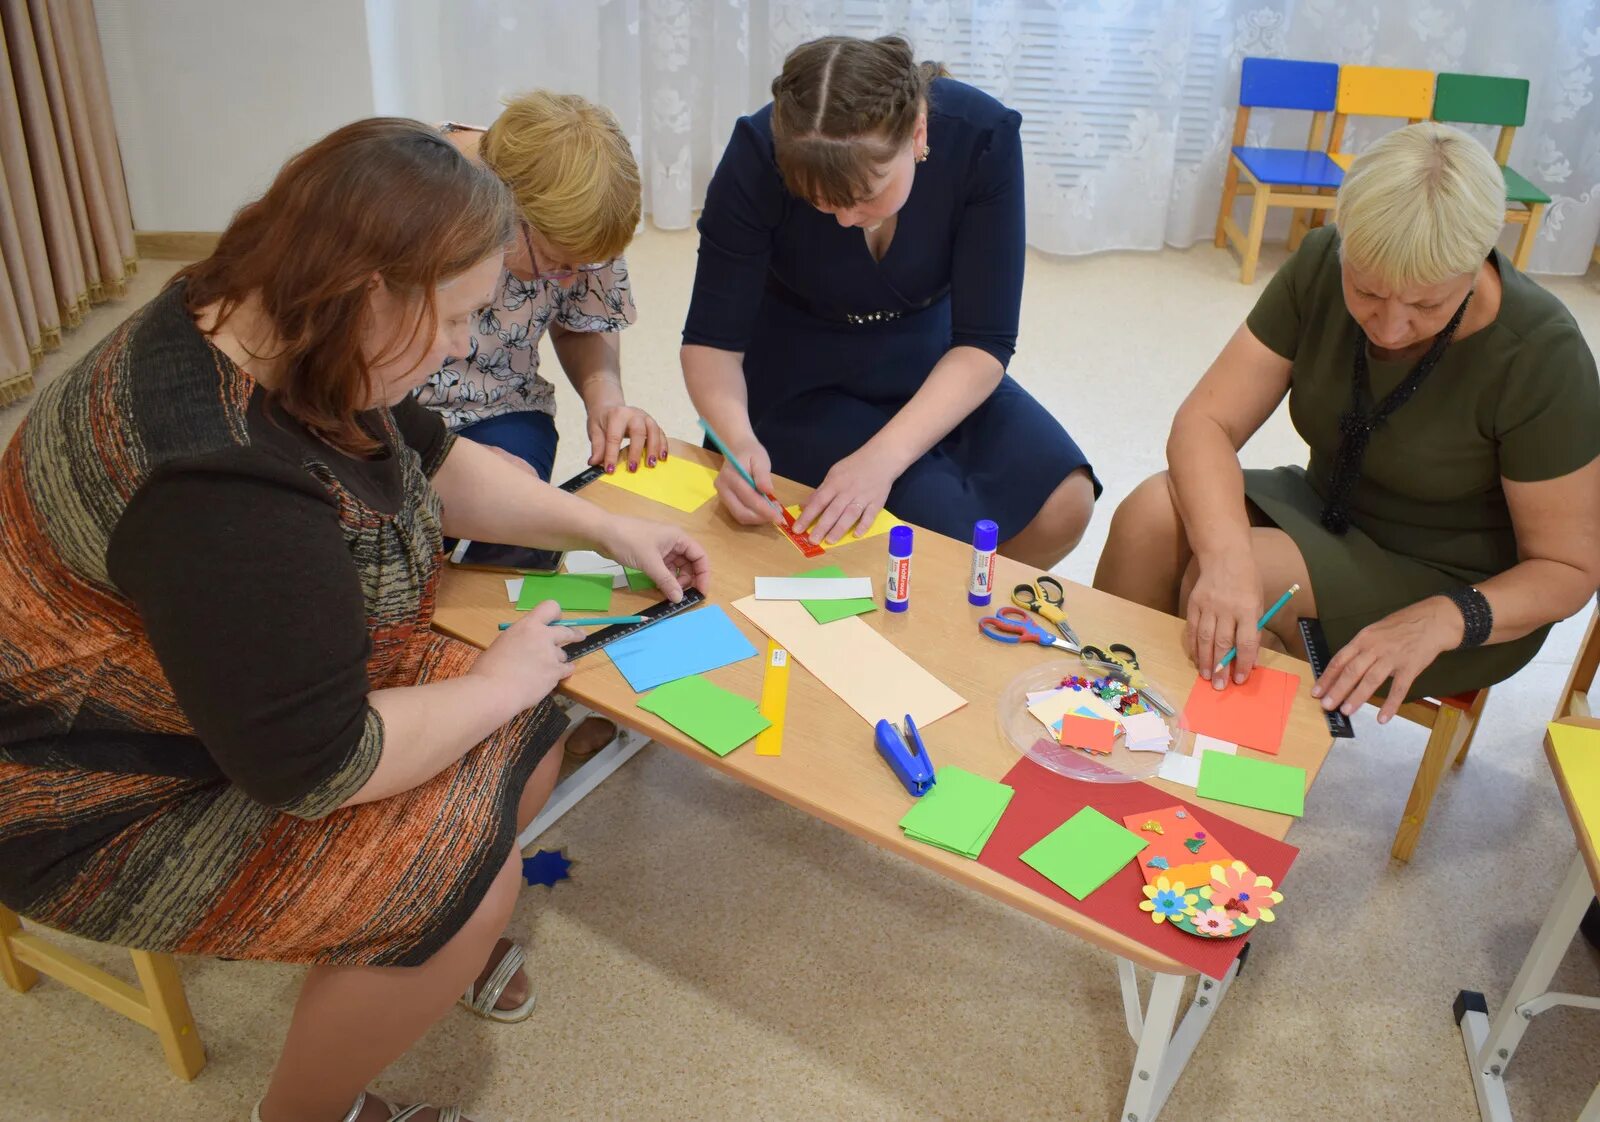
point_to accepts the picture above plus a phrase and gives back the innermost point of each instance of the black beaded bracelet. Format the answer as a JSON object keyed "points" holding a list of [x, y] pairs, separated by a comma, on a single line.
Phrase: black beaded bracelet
{"points": [[1475, 613]]}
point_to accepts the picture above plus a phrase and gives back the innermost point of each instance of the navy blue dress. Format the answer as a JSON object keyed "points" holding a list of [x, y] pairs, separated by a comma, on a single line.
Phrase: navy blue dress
{"points": [[800, 296]]}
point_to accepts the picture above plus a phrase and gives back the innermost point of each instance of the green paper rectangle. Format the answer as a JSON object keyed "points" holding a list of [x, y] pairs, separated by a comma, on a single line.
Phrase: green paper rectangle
{"points": [[1084, 852], [716, 718], [638, 581], [575, 592], [1247, 781], [827, 611], [958, 813]]}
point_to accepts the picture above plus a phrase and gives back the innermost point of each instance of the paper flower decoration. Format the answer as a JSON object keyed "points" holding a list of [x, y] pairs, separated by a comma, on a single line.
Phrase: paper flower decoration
{"points": [[1166, 900], [1242, 894], [1213, 923]]}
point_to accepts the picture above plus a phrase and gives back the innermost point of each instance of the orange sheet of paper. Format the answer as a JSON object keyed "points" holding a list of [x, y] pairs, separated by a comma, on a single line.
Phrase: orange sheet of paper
{"points": [[1191, 868], [1088, 732], [1253, 715]]}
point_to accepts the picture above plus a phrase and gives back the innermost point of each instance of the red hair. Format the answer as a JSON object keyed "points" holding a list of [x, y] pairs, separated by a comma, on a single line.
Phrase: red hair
{"points": [[384, 196]]}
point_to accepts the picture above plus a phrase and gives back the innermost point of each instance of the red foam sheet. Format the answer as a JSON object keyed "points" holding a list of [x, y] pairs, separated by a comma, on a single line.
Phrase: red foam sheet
{"points": [[1044, 800]]}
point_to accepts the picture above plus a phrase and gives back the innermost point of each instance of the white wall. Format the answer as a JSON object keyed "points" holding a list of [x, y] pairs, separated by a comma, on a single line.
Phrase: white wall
{"points": [[211, 96]]}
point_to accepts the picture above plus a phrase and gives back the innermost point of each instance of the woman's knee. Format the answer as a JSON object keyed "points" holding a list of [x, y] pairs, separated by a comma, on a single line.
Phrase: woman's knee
{"points": [[1149, 512]]}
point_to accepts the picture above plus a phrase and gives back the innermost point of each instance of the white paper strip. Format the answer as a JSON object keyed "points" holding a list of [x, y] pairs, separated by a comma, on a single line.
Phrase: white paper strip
{"points": [[587, 561], [1180, 769], [813, 588], [514, 589], [1212, 744]]}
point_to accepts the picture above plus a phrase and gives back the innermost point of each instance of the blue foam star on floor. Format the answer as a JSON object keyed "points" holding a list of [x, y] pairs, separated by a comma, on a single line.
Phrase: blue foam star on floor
{"points": [[546, 867]]}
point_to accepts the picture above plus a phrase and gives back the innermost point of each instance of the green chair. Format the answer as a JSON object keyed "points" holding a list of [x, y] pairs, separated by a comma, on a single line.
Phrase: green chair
{"points": [[1481, 100]]}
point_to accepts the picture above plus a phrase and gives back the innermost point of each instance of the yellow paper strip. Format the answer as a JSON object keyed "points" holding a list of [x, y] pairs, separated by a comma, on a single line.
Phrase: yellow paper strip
{"points": [[880, 525], [678, 483], [774, 701]]}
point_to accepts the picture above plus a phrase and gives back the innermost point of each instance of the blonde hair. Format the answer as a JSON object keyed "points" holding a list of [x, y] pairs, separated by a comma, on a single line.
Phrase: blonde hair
{"points": [[1422, 205], [570, 169]]}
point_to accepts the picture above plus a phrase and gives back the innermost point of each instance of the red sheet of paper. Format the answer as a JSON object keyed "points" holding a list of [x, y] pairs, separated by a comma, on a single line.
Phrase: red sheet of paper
{"points": [[1044, 800], [1192, 867], [1088, 732], [1253, 715]]}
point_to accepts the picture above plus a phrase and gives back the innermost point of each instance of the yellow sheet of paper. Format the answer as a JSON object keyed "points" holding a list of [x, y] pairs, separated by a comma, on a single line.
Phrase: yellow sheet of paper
{"points": [[677, 483], [1578, 749], [1051, 709], [870, 674], [880, 525]]}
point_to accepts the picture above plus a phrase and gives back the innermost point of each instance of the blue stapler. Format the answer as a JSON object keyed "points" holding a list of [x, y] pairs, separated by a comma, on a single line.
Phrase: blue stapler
{"points": [[906, 755]]}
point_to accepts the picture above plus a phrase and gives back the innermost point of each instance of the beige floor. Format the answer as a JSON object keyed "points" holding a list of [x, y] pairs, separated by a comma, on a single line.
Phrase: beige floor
{"points": [[720, 956]]}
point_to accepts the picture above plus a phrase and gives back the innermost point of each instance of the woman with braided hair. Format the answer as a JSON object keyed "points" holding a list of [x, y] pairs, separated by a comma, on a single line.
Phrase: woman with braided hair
{"points": [[855, 307], [1450, 512]]}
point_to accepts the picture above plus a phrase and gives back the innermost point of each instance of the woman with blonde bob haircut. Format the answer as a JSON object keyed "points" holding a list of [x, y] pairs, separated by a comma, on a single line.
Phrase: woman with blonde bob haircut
{"points": [[1450, 509], [576, 186]]}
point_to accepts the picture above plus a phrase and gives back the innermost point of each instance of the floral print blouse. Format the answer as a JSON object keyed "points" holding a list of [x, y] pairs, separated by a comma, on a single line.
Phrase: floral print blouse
{"points": [[500, 371]]}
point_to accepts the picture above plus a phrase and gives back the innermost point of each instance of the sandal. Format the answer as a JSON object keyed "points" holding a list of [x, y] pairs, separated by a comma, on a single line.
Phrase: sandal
{"points": [[482, 1002], [446, 1113]]}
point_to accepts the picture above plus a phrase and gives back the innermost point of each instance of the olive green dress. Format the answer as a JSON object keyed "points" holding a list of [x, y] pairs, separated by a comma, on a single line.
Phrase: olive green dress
{"points": [[1518, 399]]}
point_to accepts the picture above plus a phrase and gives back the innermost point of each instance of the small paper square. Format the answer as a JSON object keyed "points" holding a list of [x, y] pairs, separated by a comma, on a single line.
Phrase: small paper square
{"points": [[1084, 852]]}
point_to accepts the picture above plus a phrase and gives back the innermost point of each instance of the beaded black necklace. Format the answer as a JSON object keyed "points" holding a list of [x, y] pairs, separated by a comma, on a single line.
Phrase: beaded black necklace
{"points": [[1360, 421]]}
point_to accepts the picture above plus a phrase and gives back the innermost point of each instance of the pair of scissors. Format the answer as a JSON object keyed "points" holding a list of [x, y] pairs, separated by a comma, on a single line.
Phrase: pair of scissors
{"points": [[1043, 597], [1012, 625], [1126, 659]]}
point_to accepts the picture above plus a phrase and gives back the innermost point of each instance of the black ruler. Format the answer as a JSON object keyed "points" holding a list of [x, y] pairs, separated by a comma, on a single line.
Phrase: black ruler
{"points": [[581, 480], [1318, 656], [655, 613]]}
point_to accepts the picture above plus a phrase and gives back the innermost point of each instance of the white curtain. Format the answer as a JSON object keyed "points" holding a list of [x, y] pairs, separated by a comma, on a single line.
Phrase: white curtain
{"points": [[1128, 104]]}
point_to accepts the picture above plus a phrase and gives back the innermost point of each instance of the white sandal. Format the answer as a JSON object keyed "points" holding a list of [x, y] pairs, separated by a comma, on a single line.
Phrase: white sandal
{"points": [[446, 1113], [483, 1001]]}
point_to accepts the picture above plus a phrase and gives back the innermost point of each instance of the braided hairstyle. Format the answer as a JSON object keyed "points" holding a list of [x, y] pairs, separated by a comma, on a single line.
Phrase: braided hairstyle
{"points": [[841, 109]]}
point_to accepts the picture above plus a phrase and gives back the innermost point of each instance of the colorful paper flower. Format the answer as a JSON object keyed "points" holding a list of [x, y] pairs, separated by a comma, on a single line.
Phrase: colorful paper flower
{"points": [[1167, 900], [1241, 893], [1213, 923]]}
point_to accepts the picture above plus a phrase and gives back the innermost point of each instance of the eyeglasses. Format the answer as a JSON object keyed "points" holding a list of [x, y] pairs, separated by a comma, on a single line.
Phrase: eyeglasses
{"points": [[556, 274]]}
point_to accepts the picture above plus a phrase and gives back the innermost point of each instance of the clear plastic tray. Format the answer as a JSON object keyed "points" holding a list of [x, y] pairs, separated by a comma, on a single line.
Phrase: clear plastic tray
{"points": [[1022, 729]]}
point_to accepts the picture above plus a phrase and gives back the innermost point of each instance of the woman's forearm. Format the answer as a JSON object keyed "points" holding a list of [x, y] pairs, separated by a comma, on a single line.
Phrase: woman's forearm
{"points": [[715, 380], [427, 728], [1208, 486], [958, 383], [486, 497], [1526, 597], [592, 361]]}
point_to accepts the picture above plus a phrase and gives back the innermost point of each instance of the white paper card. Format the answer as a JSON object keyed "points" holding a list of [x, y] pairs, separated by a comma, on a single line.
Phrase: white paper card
{"points": [[1146, 728], [813, 588], [514, 588], [1180, 769], [1212, 744], [587, 561]]}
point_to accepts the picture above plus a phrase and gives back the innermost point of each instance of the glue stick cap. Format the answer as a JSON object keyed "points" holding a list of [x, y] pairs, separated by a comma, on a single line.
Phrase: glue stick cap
{"points": [[985, 535], [900, 541]]}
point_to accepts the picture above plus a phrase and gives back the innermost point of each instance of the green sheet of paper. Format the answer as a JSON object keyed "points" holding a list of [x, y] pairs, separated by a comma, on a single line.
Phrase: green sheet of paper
{"points": [[718, 719], [1084, 852], [959, 813], [1247, 781], [826, 611], [575, 592], [638, 581]]}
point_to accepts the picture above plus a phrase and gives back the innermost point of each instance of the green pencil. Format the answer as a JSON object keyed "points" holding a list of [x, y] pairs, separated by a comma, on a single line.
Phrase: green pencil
{"points": [[1266, 619], [589, 621]]}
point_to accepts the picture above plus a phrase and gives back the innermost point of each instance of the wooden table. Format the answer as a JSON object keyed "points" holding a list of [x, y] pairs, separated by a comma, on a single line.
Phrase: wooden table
{"points": [[829, 767], [1491, 1047]]}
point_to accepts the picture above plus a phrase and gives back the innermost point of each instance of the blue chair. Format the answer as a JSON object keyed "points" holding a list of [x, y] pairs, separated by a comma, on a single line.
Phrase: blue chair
{"points": [[1302, 179]]}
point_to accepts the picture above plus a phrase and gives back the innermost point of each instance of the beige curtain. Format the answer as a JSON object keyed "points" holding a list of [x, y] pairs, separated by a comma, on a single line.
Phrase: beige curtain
{"points": [[66, 231]]}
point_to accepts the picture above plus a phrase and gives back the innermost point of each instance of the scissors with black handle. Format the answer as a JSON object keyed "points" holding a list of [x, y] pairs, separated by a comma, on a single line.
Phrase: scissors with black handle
{"points": [[1043, 596], [1126, 659]]}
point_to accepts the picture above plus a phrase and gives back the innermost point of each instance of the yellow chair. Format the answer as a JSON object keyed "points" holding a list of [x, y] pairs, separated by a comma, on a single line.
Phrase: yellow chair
{"points": [[1370, 91], [1453, 722], [1575, 694], [159, 1005]]}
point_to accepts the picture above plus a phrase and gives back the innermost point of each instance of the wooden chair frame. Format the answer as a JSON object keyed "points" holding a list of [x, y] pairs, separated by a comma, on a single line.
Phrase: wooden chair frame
{"points": [[158, 1002], [1575, 694], [1452, 724], [1264, 197]]}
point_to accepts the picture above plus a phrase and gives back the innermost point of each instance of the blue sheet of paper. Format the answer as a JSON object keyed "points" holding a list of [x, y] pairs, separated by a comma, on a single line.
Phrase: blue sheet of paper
{"points": [[692, 643]]}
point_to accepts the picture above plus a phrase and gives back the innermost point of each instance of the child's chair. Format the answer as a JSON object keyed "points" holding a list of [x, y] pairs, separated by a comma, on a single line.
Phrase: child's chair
{"points": [[1374, 91], [1575, 694], [1453, 722], [159, 1005], [1480, 100], [1282, 177]]}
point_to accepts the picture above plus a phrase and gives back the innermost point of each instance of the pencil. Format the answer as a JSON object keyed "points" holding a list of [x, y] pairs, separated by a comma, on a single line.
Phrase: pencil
{"points": [[1266, 619], [589, 621], [744, 474]]}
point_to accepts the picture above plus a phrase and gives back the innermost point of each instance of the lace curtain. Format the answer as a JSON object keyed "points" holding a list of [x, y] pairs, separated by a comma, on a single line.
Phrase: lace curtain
{"points": [[1128, 104]]}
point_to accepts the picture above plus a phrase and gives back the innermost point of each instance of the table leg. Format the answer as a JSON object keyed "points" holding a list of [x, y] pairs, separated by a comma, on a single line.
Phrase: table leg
{"points": [[589, 775], [1163, 1053], [1490, 1047]]}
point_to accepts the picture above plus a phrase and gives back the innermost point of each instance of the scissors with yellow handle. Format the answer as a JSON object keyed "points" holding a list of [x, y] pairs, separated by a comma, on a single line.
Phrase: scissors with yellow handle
{"points": [[1044, 596], [1126, 659]]}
